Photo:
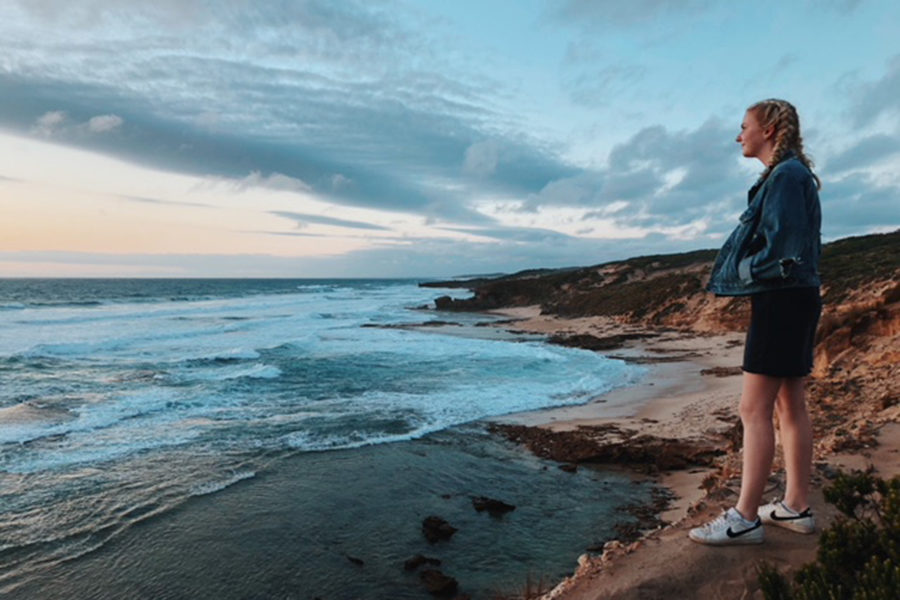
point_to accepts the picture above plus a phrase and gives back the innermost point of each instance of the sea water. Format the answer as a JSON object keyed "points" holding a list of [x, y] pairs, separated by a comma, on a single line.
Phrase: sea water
{"points": [[129, 401]]}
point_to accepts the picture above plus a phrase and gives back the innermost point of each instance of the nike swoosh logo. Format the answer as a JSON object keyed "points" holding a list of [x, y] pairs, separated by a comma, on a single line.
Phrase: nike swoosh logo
{"points": [[732, 534], [775, 517]]}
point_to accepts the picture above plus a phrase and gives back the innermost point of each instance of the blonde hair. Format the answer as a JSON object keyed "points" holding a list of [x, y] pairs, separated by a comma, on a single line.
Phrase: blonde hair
{"points": [[783, 116]]}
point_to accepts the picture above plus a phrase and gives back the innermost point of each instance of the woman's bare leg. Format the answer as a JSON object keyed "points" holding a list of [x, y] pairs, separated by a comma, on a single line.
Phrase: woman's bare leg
{"points": [[796, 440], [757, 405]]}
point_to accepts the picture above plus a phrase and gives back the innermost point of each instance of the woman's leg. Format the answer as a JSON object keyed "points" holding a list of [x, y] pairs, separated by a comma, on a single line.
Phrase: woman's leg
{"points": [[796, 439], [757, 404]]}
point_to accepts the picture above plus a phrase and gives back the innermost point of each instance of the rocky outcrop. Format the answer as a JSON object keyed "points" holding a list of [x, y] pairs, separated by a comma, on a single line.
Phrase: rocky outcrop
{"points": [[496, 508], [595, 343], [411, 564], [611, 444], [437, 583], [436, 529]]}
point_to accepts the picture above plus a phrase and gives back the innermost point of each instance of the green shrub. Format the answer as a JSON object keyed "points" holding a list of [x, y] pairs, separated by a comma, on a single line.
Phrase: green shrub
{"points": [[859, 554]]}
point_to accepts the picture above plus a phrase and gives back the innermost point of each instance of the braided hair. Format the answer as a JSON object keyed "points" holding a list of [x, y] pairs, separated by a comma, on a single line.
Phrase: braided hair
{"points": [[783, 116]]}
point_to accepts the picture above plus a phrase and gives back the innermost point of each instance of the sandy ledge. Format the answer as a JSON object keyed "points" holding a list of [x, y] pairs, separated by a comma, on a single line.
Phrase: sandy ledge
{"points": [[690, 393]]}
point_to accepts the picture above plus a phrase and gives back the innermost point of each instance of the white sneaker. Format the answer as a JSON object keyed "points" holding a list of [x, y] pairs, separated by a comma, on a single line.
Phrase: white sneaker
{"points": [[729, 529], [778, 513]]}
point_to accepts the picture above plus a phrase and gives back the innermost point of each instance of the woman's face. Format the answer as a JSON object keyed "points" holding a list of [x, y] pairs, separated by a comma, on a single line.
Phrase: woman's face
{"points": [[754, 140]]}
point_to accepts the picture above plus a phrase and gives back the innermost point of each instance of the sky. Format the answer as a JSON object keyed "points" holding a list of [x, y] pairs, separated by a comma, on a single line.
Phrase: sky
{"points": [[421, 138]]}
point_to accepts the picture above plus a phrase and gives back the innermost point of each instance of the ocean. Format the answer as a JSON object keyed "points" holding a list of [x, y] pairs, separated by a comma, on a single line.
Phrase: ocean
{"points": [[278, 439]]}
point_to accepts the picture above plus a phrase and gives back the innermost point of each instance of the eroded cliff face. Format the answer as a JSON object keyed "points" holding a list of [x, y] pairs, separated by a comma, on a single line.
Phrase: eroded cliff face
{"points": [[856, 374]]}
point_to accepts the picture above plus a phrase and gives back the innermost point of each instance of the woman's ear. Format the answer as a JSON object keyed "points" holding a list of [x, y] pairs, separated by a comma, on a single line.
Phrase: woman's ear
{"points": [[769, 132]]}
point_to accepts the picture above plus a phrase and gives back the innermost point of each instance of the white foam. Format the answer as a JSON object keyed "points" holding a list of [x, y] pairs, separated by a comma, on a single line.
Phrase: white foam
{"points": [[256, 371], [548, 377], [212, 487], [234, 354], [442, 380], [90, 416]]}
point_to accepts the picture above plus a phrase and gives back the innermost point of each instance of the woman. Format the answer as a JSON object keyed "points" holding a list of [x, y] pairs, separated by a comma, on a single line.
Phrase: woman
{"points": [[773, 257]]}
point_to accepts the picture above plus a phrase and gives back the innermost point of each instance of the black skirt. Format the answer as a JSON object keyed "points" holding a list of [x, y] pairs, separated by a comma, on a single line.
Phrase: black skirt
{"points": [[782, 332]]}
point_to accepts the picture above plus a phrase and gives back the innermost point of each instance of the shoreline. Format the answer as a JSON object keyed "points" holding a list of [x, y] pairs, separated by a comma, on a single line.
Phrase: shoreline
{"points": [[679, 395], [171, 553]]}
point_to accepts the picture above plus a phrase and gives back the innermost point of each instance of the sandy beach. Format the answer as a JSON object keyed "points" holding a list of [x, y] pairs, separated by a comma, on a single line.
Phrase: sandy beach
{"points": [[690, 393], [691, 390]]}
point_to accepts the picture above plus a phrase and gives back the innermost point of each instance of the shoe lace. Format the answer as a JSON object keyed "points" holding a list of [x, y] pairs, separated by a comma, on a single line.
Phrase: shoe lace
{"points": [[717, 523]]}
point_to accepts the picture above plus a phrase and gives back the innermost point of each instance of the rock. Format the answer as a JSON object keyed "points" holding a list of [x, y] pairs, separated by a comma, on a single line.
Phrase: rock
{"points": [[435, 529], [722, 371], [569, 467], [496, 508], [480, 302], [587, 341], [418, 560], [613, 445], [356, 561], [443, 303], [437, 583], [828, 471]]}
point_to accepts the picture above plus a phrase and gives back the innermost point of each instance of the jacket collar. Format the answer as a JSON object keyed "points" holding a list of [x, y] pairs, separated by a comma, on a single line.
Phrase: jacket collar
{"points": [[762, 178], [787, 155]]}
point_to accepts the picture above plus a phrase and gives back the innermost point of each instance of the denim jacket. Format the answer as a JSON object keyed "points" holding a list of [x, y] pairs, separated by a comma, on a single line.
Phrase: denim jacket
{"points": [[777, 243]]}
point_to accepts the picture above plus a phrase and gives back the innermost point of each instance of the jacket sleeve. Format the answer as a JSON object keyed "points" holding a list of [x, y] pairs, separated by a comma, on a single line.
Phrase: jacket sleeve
{"points": [[781, 232]]}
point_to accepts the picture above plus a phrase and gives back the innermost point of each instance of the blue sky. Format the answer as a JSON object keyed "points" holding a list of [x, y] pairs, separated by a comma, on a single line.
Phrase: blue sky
{"points": [[421, 138]]}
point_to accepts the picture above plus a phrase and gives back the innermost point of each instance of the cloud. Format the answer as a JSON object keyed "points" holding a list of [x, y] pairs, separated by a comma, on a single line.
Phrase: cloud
{"points": [[579, 190], [858, 203], [358, 101], [601, 86], [340, 182], [316, 21], [303, 219], [49, 123], [57, 123], [432, 258], [513, 234], [104, 123], [606, 211], [272, 181], [360, 104], [869, 151], [877, 98], [665, 178], [374, 154], [481, 158], [145, 200], [786, 61]]}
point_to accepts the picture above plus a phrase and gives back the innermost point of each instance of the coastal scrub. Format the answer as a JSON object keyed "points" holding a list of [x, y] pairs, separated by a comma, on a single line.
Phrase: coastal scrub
{"points": [[859, 554]]}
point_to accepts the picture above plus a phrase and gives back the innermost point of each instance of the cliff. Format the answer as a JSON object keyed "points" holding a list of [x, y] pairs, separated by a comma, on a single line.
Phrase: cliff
{"points": [[669, 290]]}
